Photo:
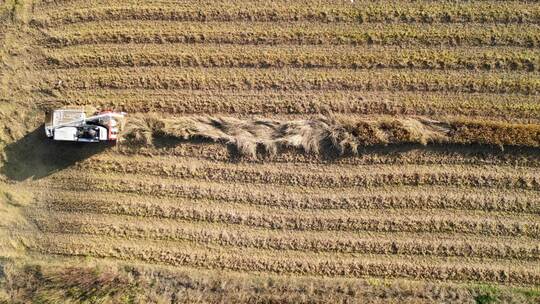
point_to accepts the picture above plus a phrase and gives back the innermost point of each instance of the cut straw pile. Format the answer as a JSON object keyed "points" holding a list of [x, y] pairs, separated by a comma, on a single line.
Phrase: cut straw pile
{"points": [[323, 134]]}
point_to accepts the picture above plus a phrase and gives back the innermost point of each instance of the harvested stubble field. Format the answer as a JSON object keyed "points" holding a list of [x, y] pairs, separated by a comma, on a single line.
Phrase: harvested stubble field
{"points": [[275, 151]]}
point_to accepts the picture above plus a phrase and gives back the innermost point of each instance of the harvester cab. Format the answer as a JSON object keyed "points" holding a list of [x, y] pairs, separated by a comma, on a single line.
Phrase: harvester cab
{"points": [[73, 125]]}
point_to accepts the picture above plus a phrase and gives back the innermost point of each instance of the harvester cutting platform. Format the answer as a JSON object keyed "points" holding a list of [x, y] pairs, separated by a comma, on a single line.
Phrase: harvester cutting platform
{"points": [[73, 125]]}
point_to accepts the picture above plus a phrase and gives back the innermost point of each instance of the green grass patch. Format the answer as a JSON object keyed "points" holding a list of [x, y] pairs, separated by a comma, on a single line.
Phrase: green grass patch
{"points": [[489, 293]]}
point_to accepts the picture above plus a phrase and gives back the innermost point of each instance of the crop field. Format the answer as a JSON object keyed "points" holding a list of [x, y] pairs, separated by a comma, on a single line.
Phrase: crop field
{"points": [[305, 151]]}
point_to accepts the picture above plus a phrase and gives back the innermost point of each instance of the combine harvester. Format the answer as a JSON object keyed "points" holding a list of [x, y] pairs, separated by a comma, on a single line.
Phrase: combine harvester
{"points": [[73, 125]]}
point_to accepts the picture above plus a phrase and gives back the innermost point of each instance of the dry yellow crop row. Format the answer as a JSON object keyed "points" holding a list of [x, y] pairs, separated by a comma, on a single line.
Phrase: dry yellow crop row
{"points": [[431, 197], [341, 135], [399, 177], [261, 33], [379, 220], [40, 214], [360, 12], [432, 221], [120, 227], [242, 211], [117, 161], [517, 107], [288, 263], [396, 155], [204, 285], [73, 4], [248, 56], [328, 176], [137, 195], [293, 79], [211, 286]]}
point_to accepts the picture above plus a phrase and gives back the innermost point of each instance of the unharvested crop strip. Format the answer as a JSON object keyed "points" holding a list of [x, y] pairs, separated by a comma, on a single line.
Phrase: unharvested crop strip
{"points": [[265, 102], [248, 56], [293, 264], [303, 33], [292, 80], [405, 154], [362, 12], [114, 161], [49, 5]]}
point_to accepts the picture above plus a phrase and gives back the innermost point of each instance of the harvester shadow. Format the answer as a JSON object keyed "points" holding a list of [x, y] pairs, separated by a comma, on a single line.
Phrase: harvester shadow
{"points": [[36, 156]]}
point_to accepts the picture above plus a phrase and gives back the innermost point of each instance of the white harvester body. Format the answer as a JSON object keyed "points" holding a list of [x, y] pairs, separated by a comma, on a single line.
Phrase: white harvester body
{"points": [[73, 125]]}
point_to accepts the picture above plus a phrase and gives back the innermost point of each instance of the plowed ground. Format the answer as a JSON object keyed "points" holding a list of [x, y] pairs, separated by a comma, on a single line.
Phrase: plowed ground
{"points": [[191, 220]]}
